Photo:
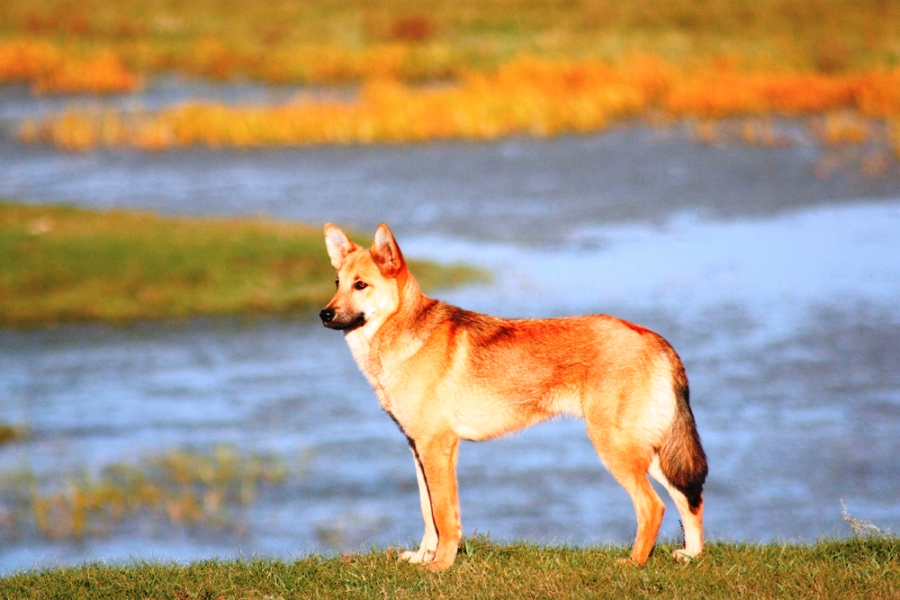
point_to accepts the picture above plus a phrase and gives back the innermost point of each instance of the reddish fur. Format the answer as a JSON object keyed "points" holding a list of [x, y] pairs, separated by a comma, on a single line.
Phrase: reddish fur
{"points": [[638, 328]]}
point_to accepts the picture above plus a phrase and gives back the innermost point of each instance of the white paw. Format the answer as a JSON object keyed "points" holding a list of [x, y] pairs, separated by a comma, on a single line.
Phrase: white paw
{"points": [[422, 555], [682, 556]]}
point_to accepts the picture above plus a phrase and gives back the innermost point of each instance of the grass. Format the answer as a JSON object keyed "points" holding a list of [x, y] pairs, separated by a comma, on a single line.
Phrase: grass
{"points": [[57, 44], [180, 487], [469, 69], [63, 264], [855, 568], [528, 96], [11, 433]]}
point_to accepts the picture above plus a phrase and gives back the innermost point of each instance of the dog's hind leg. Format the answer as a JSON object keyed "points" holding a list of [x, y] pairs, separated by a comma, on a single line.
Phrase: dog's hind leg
{"points": [[629, 467], [691, 516], [428, 547]]}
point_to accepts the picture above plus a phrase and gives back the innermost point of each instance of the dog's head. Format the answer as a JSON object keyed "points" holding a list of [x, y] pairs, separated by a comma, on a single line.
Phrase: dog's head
{"points": [[367, 279]]}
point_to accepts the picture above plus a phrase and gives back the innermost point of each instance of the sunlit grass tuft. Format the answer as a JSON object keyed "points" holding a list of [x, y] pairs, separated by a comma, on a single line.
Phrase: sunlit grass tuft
{"points": [[11, 433], [49, 68]]}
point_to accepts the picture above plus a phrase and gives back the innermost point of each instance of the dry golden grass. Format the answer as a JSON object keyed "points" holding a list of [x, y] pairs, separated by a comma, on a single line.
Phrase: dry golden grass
{"points": [[50, 69], [528, 96], [330, 41], [468, 69]]}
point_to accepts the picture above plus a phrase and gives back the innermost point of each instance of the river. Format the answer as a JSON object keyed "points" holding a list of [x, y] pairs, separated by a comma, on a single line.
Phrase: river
{"points": [[778, 286]]}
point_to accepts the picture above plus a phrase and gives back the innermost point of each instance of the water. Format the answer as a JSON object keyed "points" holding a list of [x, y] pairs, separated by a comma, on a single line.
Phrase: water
{"points": [[778, 288]]}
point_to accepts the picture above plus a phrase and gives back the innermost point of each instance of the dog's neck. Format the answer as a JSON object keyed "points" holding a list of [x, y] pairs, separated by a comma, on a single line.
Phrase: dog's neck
{"points": [[374, 357]]}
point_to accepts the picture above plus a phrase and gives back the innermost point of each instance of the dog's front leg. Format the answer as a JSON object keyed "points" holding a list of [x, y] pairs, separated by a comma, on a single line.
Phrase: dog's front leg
{"points": [[437, 456], [428, 547]]}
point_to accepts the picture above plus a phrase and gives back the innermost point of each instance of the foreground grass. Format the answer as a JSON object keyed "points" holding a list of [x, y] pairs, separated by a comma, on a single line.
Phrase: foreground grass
{"points": [[855, 568], [62, 264]]}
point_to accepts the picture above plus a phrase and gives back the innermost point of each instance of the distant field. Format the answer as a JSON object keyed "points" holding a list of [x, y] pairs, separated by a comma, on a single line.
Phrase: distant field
{"points": [[856, 568], [338, 41], [435, 70], [62, 264]]}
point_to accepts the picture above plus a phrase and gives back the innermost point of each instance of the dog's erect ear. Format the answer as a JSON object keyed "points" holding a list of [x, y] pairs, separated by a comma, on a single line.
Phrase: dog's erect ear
{"points": [[387, 253], [338, 244]]}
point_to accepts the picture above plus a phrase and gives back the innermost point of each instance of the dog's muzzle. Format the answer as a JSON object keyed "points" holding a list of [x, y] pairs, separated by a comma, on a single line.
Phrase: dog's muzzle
{"points": [[328, 320]]}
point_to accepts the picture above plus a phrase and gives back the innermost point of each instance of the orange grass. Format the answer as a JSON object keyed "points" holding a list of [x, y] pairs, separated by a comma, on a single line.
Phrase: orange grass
{"points": [[332, 41], [528, 96], [55, 69], [471, 69], [49, 69]]}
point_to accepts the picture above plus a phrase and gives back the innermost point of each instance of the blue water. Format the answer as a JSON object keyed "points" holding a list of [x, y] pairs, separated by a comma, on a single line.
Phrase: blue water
{"points": [[778, 288]]}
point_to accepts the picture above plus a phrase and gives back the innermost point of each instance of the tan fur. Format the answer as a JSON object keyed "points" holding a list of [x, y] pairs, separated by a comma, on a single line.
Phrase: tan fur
{"points": [[446, 374]]}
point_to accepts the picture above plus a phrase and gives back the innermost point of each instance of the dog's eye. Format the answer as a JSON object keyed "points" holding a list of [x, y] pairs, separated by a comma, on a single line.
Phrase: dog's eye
{"points": [[360, 285], [337, 283]]}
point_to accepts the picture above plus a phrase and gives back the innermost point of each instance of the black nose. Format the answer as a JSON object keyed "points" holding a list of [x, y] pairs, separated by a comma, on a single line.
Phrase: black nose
{"points": [[327, 315]]}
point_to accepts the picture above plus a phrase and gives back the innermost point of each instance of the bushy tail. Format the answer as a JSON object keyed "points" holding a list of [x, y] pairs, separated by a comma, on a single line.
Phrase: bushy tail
{"points": [[681, 456]]}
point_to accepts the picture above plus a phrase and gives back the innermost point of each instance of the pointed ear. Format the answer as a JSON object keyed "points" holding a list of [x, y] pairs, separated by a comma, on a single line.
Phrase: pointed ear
{"points": [[338, 244], [387, 253]]}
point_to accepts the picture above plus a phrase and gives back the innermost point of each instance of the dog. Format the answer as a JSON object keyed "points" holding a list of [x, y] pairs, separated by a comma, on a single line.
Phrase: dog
{"points": [[445, 374]]}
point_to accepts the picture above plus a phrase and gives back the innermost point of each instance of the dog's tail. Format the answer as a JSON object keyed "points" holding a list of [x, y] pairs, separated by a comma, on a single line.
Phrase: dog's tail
{"points": [[681, 457]]}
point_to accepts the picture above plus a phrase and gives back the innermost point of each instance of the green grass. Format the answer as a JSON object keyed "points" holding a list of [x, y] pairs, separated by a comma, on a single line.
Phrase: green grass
{"points": [[63, 264], [855, 568]]}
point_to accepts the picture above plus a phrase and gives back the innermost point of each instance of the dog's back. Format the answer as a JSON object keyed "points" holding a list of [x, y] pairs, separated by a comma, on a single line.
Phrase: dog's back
{"points": [[445, 374]]}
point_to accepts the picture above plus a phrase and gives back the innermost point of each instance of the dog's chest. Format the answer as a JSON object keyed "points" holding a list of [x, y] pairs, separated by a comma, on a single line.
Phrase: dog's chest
{"points": [[387, 370]]}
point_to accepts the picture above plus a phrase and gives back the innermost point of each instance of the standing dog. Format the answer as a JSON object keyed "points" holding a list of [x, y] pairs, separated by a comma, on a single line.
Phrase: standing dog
{"points": [[445, 374]]}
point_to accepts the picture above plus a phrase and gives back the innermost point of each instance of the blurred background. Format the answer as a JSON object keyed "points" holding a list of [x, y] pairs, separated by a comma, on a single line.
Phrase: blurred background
{"points": [[725, 173]]}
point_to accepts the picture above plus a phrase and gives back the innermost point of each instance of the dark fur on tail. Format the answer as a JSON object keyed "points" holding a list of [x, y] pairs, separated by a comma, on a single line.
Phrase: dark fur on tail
{"points": [[681, 456]]}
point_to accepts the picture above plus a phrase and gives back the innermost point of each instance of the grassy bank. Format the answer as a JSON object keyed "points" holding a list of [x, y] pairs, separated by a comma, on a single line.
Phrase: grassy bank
{"points": [[62, 264], [856, 568]]}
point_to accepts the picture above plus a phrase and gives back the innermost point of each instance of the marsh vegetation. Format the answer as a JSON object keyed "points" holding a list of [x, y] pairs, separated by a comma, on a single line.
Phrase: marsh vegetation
{"points": [[64, 264], [180, 488], [467, 70]]}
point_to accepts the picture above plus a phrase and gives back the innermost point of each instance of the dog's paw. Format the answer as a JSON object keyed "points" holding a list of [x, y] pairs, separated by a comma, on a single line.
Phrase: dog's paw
{"points": [[436, 565], [422, 555], [681, 555]]}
